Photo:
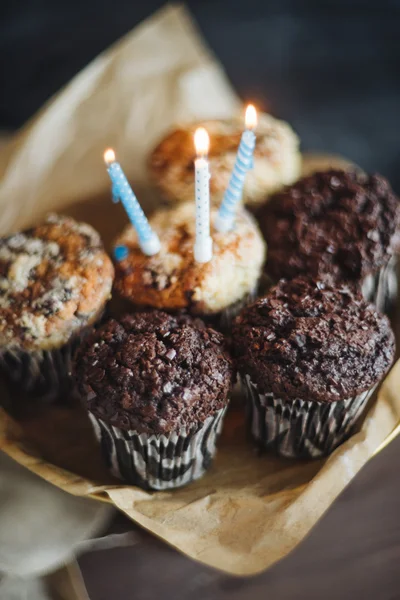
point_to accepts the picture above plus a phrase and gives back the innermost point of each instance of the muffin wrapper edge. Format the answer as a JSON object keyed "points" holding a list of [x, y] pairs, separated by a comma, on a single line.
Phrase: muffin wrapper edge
{"points": [[227, 315], [301, 429], [158, 462], [381, 287], [41, 375]]}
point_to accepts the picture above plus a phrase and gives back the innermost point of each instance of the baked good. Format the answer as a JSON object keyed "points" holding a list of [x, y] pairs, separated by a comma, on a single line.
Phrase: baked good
{"points": [[309, 356], [336, 225], [315, 162], [156, 387], [55, 280], [277, 160], [172, 280]]}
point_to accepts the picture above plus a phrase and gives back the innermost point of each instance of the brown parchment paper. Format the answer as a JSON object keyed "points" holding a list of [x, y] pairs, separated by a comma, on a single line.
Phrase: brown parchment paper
{"points": [[249, 510]]}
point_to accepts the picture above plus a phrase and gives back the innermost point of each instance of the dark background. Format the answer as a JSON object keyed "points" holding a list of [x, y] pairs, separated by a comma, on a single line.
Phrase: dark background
{"points": [[331, 68]]}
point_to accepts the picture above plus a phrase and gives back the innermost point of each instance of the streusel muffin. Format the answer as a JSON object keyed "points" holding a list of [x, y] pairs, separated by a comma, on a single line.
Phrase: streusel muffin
{"points": [[55, 280], [277, 160], [172, 280]]}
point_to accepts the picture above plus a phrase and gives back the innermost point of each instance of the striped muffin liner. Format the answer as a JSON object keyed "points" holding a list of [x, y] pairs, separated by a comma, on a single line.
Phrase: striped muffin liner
{"points": [[381, 288], [300, 429], [229, 313], [223, 320], [159, 462], [42, 375]]}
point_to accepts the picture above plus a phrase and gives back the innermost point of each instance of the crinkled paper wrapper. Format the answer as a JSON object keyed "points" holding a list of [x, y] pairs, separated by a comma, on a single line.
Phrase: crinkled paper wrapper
{"points": [[249, 510]]}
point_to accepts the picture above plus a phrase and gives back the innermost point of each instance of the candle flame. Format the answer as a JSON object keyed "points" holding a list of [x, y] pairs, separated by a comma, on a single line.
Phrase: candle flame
{"points": [[109, 156], [201, 142], [251, 117]]}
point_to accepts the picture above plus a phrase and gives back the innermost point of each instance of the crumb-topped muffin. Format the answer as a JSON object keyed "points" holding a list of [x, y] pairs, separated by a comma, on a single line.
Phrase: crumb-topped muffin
{"points": [[336, 225], [317, 162], [277, 160], [173, 280], [55, 280], [309, 356], [153, 380]]}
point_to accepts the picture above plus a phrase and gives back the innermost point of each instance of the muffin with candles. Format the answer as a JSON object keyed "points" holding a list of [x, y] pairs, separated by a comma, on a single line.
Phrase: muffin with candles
{"points": [[55, 280], [178, 262], [338, 226], [177, 279], [309, 356], [277, 160], [156, 387]]}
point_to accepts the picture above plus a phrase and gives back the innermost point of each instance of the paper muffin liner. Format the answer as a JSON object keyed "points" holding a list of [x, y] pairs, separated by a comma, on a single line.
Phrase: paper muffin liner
{"points": [[42, 375], [381, 288], [159, 462], [223, 319], [228, 314], [300, 429]]}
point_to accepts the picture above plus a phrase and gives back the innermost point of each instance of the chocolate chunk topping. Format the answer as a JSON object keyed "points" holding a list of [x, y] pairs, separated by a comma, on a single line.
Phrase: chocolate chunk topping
{"points": [[154, 373], [335, 224], [310, 341]]}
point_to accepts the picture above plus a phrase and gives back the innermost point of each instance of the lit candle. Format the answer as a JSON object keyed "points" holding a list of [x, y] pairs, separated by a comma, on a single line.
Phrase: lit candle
{"points": [[121, 190], [244, 162], [203, 242]]}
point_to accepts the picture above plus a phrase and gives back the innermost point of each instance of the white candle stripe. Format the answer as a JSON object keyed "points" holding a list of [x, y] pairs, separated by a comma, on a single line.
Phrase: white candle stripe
{"points": [[236, 188], [245, 152], [237, 178]]}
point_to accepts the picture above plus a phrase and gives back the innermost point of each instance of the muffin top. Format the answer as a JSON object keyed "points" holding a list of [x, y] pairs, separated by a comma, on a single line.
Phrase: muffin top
{"points": [[277, 160], [154, 373], [316, 162], [335, 224], [54, 279], [310, 341], [173, 280]]}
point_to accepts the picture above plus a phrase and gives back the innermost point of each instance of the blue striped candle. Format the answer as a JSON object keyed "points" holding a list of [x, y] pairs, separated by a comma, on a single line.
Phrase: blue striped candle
{"points": [[121, 190], [244, 161]]}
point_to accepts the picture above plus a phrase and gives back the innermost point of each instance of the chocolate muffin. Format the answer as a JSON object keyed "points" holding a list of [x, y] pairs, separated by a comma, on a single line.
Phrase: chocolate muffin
{"points": [[309, 356], [55, 280], [156, 387], [277, 160], [338, 226], [172, 280]]}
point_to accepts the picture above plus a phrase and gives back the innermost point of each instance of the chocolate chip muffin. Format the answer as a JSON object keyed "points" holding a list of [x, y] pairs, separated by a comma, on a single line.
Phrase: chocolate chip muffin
{"points": [[339, 226], [277, 160], [55, 280], [156, 387], [309, 356], [172, 280]]}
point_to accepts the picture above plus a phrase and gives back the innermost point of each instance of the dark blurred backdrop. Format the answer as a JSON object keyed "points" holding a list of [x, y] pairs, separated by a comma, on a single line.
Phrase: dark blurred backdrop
{"points": [[329, 67]]}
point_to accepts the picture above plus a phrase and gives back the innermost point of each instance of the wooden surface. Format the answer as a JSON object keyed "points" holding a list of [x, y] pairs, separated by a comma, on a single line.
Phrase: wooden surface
{"points": [[353, 553]]}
